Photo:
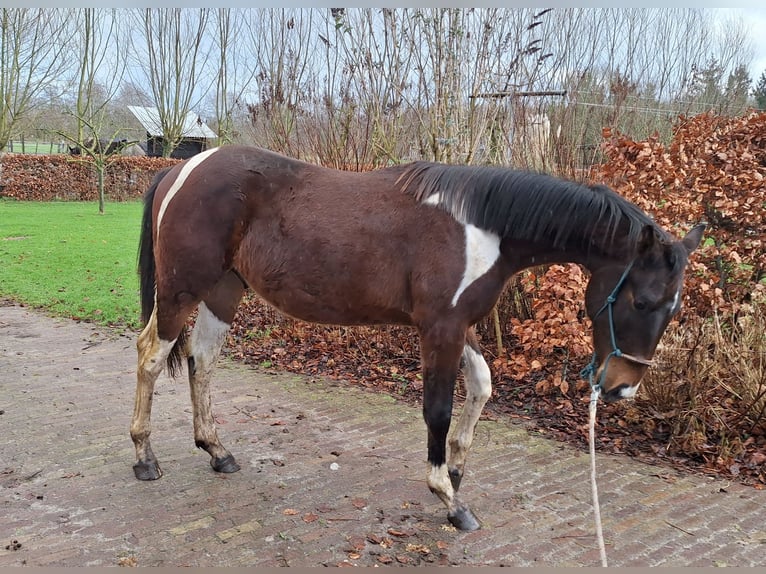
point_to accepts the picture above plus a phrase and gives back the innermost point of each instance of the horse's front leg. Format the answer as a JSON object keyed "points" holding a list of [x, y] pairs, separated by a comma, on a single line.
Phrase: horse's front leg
{"points": [[152, 354], [478, 387], [441, 361]]}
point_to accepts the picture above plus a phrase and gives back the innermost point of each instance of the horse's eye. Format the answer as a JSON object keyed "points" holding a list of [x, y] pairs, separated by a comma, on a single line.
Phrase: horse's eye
{"points": [[639, 304]]}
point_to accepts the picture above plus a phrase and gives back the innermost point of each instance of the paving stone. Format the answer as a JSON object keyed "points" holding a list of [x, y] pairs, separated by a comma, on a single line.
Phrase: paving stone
{"points": [[68, 496]]}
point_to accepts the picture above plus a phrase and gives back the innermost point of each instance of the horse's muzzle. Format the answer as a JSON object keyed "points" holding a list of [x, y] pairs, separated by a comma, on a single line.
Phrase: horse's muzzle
{"points": [[618, 393]]}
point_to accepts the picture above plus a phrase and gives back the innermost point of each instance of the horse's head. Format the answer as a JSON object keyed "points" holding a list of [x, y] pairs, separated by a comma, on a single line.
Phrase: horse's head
{"points": [[631, 306]]}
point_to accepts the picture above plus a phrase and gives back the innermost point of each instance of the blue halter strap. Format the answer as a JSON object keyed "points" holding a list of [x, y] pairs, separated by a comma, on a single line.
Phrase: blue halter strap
{"points": [[590, 369]]}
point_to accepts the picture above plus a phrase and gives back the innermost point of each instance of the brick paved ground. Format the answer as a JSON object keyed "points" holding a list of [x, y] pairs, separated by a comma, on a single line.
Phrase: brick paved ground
{"points": [[68, 496]]}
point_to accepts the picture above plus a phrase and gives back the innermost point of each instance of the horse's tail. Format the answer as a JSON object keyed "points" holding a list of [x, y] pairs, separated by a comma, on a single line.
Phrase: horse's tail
{"points": [[147, 272]]}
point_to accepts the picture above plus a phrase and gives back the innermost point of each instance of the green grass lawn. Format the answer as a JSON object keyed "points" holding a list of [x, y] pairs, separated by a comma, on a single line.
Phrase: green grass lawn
{"points": [[66, 258]]}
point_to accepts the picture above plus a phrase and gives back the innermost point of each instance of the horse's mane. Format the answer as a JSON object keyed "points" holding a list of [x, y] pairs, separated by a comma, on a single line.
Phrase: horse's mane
{"points": [[526, 205]]}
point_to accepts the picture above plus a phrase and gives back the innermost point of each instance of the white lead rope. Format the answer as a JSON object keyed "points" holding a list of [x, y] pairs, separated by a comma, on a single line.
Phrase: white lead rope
{"points": [[594, 489]]}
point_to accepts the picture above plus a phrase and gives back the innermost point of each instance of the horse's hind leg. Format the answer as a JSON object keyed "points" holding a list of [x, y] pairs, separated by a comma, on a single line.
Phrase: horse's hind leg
{"points": [[214, 318], [440, 352], [478, 386], [152, 354]]}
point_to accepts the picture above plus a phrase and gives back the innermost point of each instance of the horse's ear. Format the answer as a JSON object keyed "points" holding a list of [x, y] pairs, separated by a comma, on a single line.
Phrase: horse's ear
{"points": [[647, 240], [692, 239]]}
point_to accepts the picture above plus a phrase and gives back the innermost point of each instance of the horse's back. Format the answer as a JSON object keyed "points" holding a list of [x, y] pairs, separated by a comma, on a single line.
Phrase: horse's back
{"points": [[320, 244]]}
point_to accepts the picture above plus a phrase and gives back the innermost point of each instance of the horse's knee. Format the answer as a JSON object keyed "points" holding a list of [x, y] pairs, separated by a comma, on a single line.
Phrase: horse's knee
{"points": [[438, 418]]}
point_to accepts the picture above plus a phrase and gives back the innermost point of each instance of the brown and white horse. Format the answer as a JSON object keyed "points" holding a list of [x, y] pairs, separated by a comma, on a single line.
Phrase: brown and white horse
{"points": [[423, 244]]}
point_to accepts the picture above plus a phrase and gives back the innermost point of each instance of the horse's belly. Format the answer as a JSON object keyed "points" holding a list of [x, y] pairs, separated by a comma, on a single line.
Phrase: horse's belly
{"points": [[331, 308], [310, 291]]}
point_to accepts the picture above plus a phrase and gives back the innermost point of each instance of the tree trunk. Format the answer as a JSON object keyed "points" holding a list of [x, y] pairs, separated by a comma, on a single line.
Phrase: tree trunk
{"points": [[498, 331], [100, 175]]}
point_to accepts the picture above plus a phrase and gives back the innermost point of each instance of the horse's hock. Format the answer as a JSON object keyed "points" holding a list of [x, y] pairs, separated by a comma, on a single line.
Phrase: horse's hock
{"points": [[330, 475]]}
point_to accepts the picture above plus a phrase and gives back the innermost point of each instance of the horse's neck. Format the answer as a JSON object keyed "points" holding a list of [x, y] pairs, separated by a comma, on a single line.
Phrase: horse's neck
{"points": [[522, 255], [591, 246]]}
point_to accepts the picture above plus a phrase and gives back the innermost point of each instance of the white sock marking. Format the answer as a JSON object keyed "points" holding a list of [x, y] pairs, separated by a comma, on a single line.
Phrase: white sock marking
{"points": [[156, 362], [438, 480], [478, 375], [482, 249], [190, 164], [478, 385]]}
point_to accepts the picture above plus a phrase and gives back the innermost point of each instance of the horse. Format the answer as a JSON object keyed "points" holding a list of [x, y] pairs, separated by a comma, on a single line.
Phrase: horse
{"points": [[423, 244]]}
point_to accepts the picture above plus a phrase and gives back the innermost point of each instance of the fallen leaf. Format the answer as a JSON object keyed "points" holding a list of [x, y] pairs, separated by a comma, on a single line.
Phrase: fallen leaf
{"points": [[357, 543], [374, 538], [127, 561], [386, 543], [421, 548]]}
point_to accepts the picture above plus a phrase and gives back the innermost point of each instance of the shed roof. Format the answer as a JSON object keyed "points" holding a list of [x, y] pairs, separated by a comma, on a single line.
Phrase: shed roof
{"points": [[150, 120]]}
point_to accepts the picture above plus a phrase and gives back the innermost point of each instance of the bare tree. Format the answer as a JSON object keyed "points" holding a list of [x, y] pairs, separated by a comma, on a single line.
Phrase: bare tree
{"points": [[173, 56], [366, 109], [630, 69], [233, 78], [33, 48], [97, 32], [365, 86], [280, 45]]}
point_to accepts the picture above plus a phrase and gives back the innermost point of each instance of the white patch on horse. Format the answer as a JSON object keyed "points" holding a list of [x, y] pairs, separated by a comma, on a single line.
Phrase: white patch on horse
{"points": [[188, 167], [676, 302], [629, 392], [478, 385], [433, 199], [439, 482], [482, 249], [154, 363], [207, 337]]}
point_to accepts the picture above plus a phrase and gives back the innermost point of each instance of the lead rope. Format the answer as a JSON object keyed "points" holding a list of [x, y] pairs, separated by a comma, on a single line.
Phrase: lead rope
{"points": [[595, 393], [589, 371]]}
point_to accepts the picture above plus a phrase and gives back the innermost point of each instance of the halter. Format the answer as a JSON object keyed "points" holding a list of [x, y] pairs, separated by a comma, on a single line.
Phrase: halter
{"points": [[590, 369]]}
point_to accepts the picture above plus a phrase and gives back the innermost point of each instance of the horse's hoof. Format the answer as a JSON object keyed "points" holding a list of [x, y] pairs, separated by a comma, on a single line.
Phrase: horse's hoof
{"points": [[226, 464], [147, 470], [455, 476], [464, 519]]}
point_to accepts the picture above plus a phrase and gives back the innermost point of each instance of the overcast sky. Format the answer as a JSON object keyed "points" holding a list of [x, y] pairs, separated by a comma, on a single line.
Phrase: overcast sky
{"points": [[755, 20]]}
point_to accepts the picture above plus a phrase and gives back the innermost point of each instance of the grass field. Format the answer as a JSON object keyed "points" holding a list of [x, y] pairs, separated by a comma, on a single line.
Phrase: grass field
{"points": [[36, 147], [66, 258]]}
